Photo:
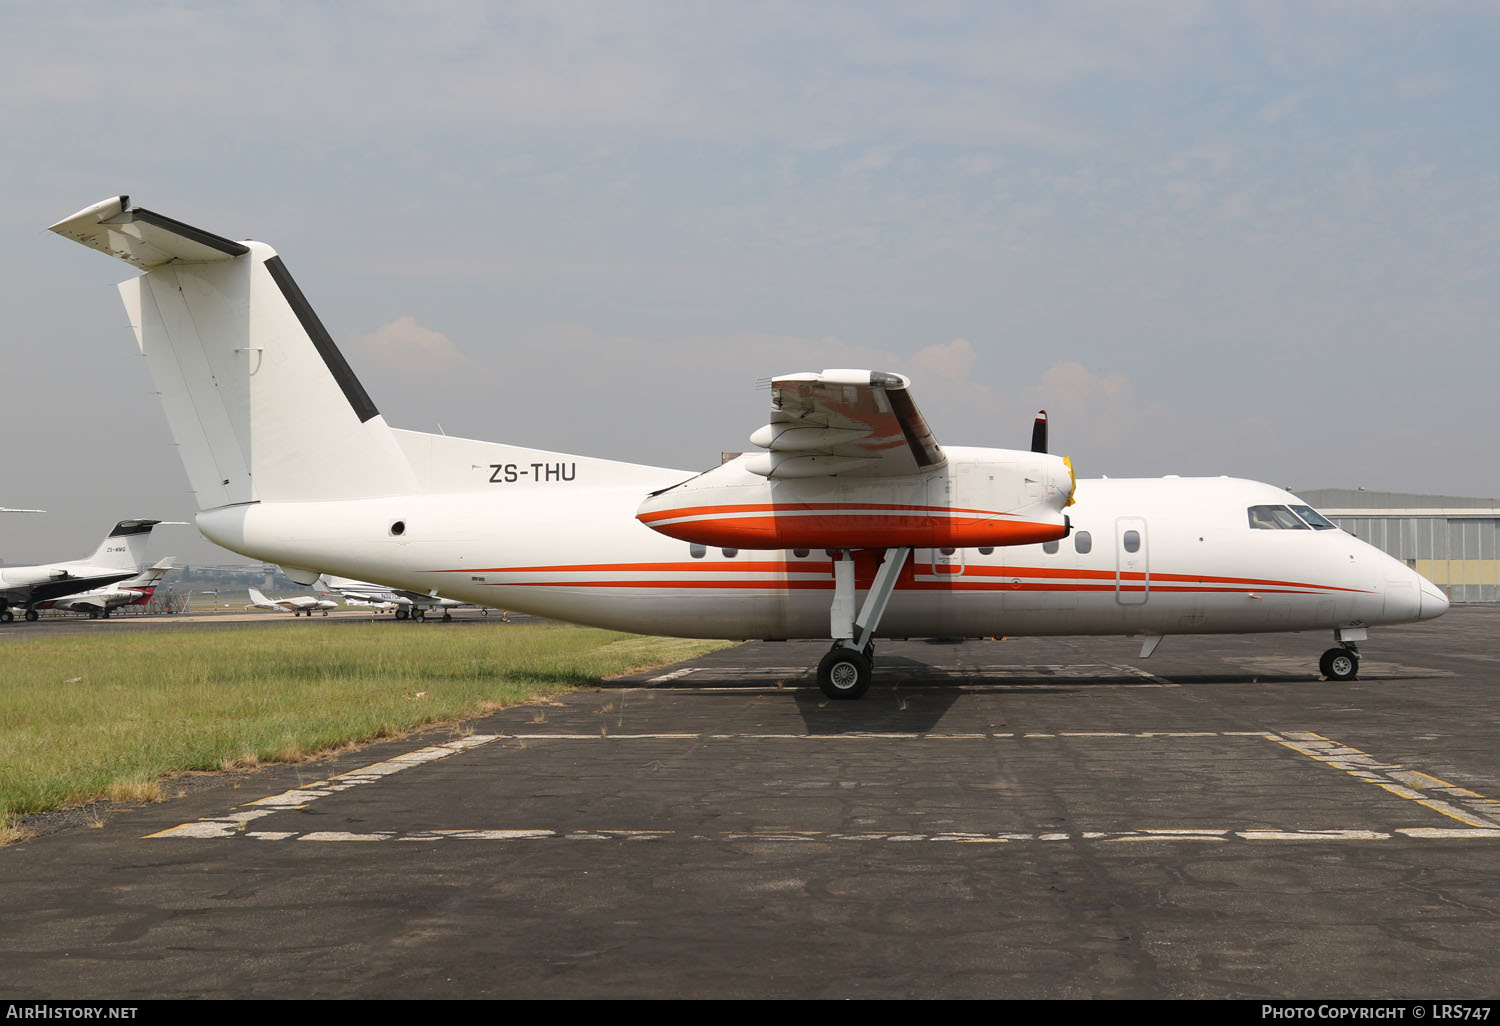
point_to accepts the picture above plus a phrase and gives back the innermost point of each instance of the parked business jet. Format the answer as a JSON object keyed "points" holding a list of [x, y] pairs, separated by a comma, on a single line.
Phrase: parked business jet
{"points": [[407, 605], [292, 463], [100, 602], [118, 557], [297, 605]]}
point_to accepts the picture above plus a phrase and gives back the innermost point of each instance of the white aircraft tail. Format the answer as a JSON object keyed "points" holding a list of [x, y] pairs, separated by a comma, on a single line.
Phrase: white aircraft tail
{"points": [[125, 546], [150, 575], [260, 401], [256, 598]]}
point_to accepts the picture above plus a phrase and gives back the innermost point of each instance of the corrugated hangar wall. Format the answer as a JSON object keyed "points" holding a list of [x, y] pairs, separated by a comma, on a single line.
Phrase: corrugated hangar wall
{"points": [[1447, 539]]}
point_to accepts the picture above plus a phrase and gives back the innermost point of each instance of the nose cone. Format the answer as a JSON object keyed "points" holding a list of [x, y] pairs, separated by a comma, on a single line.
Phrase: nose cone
{"points": [[1434, 602]]}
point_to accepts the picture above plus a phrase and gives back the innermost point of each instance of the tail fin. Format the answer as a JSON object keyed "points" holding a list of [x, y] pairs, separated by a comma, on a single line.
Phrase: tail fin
{"points": [[258, 599], [261, 403], [125, 546], [150, 575]]}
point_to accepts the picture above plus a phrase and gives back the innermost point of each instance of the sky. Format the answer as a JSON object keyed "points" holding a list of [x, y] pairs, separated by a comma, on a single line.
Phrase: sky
{"points": [[1258, 239]]}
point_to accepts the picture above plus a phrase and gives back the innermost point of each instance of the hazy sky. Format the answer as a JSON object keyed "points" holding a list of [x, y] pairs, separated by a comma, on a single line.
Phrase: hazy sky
{"points": [[1256, 239]]}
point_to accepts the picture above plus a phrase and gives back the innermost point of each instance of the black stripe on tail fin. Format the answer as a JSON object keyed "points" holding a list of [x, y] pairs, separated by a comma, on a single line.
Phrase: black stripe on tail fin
{"points": [[359, 399]]}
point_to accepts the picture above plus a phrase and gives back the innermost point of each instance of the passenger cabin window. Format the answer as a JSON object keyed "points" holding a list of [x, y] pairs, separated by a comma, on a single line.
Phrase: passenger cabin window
{"points": [[1083, 542], [730, 553], [1274, 518], [1049, 547], [697, 551], [1132, 541], [1314, 519]]}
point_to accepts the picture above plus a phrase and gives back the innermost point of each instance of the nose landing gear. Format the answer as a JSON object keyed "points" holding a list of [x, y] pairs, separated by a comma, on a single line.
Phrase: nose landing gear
{"points": [[1340, 663]]}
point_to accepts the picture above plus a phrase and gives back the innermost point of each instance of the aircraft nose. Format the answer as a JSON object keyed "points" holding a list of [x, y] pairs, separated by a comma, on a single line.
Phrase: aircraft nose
{"points": [[1434, 602]]}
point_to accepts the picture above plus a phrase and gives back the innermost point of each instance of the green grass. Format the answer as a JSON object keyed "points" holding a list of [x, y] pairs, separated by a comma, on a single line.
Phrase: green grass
{"points": [[84, 719]]}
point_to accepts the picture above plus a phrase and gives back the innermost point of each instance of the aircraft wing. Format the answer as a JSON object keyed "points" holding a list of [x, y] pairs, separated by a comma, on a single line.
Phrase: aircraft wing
{"points": [[854, 423]]}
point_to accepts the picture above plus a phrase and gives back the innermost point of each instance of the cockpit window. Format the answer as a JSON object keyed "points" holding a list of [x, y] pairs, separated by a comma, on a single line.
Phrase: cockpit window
{"points": [[1274, 518], [1314, 519]]}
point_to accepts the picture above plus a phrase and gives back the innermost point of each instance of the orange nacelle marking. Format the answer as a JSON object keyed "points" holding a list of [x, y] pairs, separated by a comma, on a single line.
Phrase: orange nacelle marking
{"points": [[841, 530], [804, 507]]}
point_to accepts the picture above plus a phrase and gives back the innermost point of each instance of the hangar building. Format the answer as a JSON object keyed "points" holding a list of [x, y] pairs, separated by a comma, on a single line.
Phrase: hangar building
{"points": [[1451, 541]]}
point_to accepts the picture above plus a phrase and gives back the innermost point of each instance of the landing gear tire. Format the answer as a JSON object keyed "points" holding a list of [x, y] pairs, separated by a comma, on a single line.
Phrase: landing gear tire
{"points": [[402, 614], [6, 616], [844, 674], [31, 615], [1339, 664], [447, 617]]}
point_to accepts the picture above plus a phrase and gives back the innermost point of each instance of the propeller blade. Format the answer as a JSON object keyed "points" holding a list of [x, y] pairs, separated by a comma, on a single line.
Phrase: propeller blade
{"points": [[1039, 432]]}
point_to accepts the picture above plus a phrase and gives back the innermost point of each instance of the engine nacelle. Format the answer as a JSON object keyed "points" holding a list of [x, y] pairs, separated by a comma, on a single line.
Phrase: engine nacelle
{"points": [[30, 577], [978, 497]]}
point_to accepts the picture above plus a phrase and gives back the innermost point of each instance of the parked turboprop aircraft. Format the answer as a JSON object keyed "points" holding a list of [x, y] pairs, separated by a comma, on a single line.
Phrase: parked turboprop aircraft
{"points": [[296, 605], [853, 493], [100, 602], [407, 604], [119, 556]]}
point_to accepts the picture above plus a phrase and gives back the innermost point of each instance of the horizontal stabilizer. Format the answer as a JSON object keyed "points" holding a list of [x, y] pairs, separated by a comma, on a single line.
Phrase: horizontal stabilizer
{"points": [[142, 238]]}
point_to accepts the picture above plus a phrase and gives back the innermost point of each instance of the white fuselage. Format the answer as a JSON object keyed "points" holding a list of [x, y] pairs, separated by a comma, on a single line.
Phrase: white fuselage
{"points": [[577, 553], [292, 462]]}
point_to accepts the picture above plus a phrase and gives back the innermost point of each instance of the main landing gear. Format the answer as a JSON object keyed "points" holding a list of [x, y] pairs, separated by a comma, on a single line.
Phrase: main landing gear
{"points": [[846, 671]]}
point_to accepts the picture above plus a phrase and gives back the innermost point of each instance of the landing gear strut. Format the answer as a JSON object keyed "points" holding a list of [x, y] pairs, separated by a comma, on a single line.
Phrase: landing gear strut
{"points": [[846, 671]]}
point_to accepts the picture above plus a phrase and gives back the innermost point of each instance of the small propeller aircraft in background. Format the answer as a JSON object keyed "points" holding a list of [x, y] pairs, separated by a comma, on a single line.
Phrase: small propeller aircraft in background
{"points": [[297, 605], [851, 496]]}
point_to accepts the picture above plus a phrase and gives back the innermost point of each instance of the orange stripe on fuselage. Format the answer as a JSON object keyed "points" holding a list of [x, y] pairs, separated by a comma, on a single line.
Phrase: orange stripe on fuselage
{"points": [[1159, 581]]}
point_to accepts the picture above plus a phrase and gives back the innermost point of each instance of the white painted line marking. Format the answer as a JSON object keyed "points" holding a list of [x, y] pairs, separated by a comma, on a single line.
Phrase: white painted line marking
{"points": [[676, 675], [1480, 815], [301, 797], [1169, 835], [1314, 835]]}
